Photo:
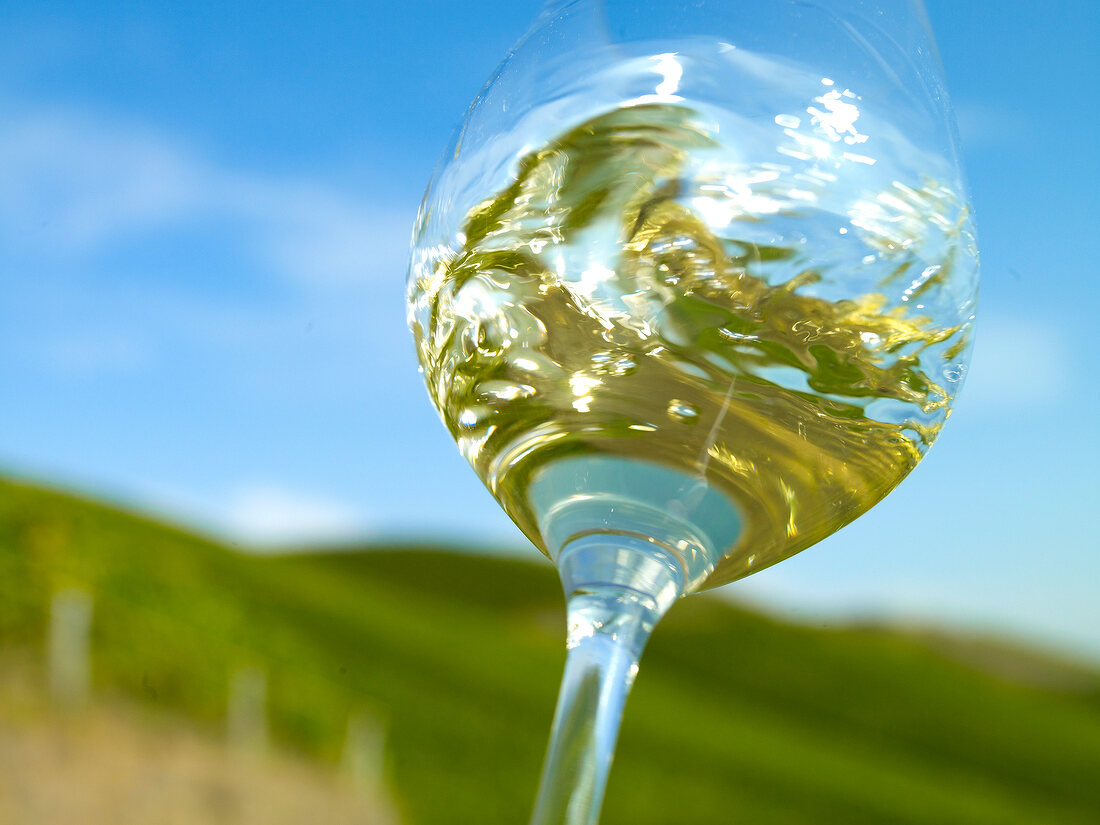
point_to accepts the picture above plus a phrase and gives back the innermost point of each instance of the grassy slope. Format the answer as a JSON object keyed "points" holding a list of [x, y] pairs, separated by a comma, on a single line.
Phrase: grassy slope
{"points": [[735, 717]]}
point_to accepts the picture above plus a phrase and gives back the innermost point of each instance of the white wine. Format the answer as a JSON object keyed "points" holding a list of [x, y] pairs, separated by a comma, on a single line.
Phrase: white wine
{"points": [[644, 321]]}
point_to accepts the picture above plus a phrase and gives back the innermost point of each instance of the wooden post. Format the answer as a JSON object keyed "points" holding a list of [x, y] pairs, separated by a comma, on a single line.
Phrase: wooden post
{"points": [[69, 651], [246, 718], [364, 763]]}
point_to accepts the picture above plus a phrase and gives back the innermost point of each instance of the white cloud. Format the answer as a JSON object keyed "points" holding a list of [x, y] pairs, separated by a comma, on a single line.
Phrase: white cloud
{"points": [[72, 183], [982, 125], [1019, 364], [105, 352], [267, 514], [258, 514]]}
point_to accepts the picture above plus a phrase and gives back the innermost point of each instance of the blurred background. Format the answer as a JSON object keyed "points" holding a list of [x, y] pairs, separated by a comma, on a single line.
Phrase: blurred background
{"points": [[204, 221]]}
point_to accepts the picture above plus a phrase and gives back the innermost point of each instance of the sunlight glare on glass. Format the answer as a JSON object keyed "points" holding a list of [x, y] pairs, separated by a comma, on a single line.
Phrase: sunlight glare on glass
{"points": [[671, 70]]}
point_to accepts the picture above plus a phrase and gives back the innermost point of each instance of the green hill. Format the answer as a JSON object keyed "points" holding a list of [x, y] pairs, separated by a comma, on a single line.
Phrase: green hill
{"points": [[735, 717]]}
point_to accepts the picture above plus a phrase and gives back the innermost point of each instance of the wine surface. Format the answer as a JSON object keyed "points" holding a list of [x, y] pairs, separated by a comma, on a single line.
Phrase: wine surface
{"points": [[643, 299]]}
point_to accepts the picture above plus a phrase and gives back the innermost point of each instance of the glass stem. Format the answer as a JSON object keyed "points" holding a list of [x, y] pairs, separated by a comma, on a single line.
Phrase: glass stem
{"points": [[617, 589]]}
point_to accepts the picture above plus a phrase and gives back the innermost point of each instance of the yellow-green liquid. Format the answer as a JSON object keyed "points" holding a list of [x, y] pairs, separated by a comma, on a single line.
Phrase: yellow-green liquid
{"points": [[590, 310]]}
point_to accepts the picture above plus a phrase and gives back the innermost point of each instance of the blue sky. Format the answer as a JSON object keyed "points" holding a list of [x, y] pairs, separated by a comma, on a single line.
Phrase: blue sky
{"points": [[204, 217]]}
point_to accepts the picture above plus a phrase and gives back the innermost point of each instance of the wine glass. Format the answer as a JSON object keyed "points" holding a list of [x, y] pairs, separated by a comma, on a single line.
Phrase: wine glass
{"points": [[692, 288]]}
